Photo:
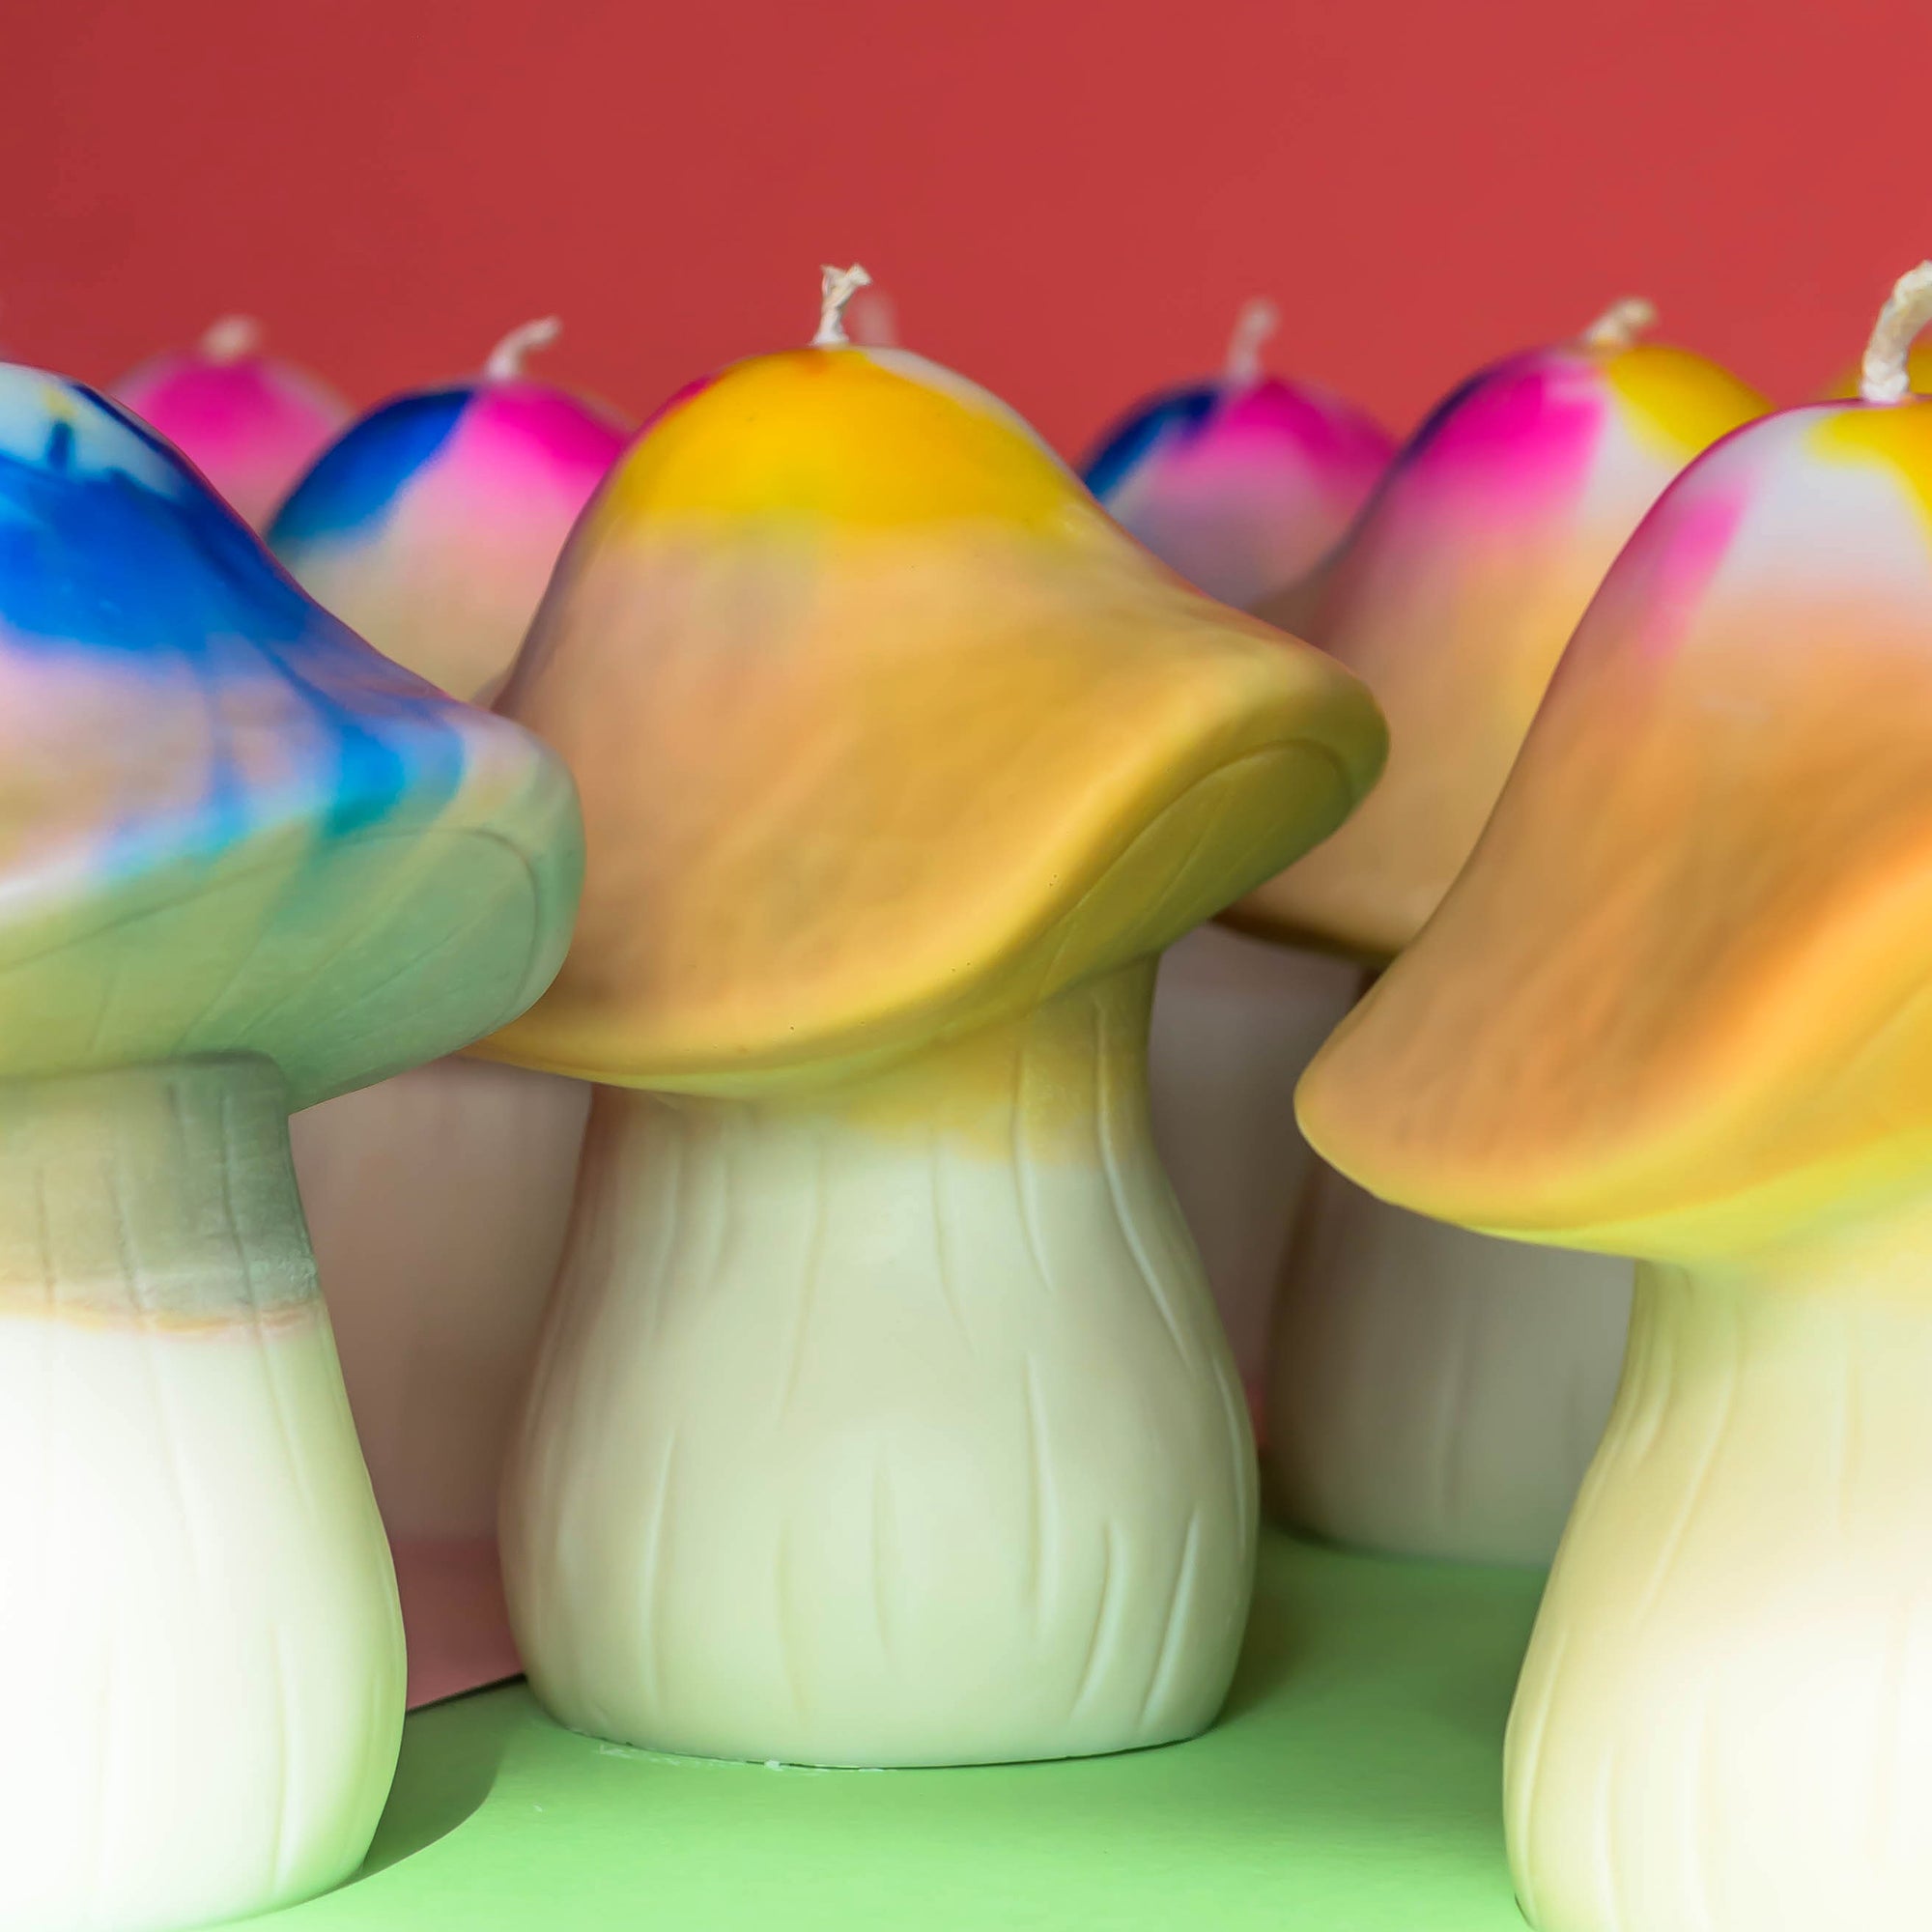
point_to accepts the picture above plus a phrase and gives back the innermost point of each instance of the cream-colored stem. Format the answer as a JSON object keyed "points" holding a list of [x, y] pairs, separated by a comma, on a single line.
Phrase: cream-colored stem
{"points": [[438, 1203], [1886, 375], [1236, 1020], [1434, 1392], [887, 1425], [1725, 1721], [201, 1655]]}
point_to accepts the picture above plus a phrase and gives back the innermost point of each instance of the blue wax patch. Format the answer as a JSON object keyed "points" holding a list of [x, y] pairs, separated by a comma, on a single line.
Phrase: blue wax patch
{"points": [[112, 547], [356, 480], [1177, 413]]}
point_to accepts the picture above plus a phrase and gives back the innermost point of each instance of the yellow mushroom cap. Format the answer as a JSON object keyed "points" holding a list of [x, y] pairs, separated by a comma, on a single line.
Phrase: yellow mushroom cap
{"points": [[1455, 593], [1675, 1006], [884, 731]]}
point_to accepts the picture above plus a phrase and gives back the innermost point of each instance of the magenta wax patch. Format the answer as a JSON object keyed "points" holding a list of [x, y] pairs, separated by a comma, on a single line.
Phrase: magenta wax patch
{"points": [[249, 422]]}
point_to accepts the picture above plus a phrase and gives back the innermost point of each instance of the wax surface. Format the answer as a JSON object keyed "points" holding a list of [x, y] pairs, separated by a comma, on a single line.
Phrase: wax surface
{"points": [[1455, 593], [1242, 487], [249, 424], [431, 526], [918, 737], [1670, 1002], [207, 774]]}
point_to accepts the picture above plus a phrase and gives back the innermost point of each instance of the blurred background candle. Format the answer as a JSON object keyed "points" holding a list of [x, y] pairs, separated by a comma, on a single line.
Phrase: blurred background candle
{"points": [[437, 1201], [1433, 1391], [1242, 483], [248, 422]]}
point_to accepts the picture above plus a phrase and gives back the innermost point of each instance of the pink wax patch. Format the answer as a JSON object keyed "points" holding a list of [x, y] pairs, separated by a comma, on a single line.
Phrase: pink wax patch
{"points": [[454, 1618], [250, 424]]}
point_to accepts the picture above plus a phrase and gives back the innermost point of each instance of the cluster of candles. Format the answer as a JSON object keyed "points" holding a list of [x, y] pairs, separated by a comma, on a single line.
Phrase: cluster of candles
{"points": [[787, 804]]}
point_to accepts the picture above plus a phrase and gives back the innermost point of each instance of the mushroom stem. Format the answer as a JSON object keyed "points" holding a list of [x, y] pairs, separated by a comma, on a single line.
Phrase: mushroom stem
{"points": [[438, 1202], [204, 1684], [1734, 1650], [1257, 322], [890, 1424], [836, 287], [1434, 1392], [1621, 324], [231, 338], [1885, 376], [507, 359]]}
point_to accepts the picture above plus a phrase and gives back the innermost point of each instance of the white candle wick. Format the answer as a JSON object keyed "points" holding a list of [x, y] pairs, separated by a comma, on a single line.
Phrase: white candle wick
{"points": [[1258, 319], [231, 338], [1621, 324], [836, 287], [507, 359], [1886, 376]]}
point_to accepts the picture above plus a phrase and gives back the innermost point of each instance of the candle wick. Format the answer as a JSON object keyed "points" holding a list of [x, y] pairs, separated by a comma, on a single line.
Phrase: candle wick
{"points": [[507, 359], [1257, 322], [1886, 376], [231, 338], [836, 287], [1621, 324]]}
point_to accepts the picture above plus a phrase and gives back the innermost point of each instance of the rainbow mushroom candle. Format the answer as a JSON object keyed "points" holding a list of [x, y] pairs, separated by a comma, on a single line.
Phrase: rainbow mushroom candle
{"points": [[250, 423], [1676, 1009], [1431, 1392], [437, 1201], [881, 1415], [1242, 483], [249, 864]]}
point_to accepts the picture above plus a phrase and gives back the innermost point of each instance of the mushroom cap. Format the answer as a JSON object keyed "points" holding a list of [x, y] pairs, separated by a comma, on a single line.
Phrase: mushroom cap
{"points": [[250, 423], [431, 524], [226, 824], [1243, 488], [1675, 1007], [1453, 595], [884, 731]]}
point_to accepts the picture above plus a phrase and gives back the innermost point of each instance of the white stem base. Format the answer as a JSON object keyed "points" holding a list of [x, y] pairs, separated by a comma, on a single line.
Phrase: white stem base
{"points": [[888, 1426], [438, 1203], [1434, 1392], [201, 1658], [1724, 1722], [1236, 1020]]}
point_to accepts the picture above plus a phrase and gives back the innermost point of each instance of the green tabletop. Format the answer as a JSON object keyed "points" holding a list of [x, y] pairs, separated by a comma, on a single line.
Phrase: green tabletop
{"points": [[1350, 1787]]}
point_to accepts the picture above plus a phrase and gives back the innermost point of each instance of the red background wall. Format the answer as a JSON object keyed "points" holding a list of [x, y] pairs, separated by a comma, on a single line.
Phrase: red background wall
{"points": [[1066, 200]]}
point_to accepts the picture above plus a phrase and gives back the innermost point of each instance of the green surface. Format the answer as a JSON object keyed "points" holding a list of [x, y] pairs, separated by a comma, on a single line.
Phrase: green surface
{"points": [[1352, 1786]]}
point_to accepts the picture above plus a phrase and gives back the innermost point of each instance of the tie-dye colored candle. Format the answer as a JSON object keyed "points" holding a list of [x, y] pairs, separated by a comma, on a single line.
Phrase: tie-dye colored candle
{"points": [[437, 1201], [880, 1375], [1433, 1392], [430, 525], [248, 863], [249, 422], [1675, 1008], [1243, 483]]}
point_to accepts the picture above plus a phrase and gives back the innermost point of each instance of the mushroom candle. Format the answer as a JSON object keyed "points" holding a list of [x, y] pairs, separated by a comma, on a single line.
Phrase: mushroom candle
{"points": [[249, 864], [249, 424], [1675, 1008], [1242, 483], [437, 1200], [881, 1415], [1430, 1392]]}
